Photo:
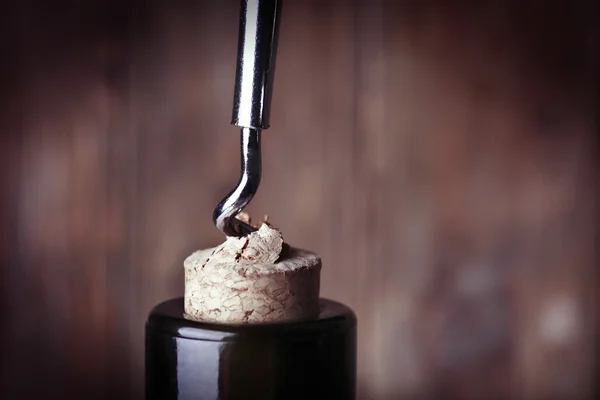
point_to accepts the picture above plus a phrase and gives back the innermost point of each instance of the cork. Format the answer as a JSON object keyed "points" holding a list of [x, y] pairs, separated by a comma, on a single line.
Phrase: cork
{"points": [[253, 279]]}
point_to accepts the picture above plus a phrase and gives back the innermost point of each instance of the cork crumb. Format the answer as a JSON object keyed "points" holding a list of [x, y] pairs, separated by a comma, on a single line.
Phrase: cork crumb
{"points": [[264, 246], [245, 218]]}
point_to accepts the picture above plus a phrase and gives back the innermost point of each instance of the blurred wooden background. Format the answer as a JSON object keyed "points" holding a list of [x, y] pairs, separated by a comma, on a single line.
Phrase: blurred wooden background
{"points": [[441, 156]]}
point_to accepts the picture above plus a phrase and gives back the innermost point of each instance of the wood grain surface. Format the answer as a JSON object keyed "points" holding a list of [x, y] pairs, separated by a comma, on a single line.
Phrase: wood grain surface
{"points": [[440, 156]]}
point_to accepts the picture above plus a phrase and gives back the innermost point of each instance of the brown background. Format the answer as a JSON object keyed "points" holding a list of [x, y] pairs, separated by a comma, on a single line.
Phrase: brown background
{"points": [[440, 156]]}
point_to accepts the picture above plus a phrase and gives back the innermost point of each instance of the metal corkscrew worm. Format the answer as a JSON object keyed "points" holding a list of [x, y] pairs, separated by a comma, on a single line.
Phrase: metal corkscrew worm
{"points": [[257, 49]]}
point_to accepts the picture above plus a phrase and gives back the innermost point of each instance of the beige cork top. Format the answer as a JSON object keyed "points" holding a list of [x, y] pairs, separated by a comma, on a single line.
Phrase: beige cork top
{"points": [[252, 279]]}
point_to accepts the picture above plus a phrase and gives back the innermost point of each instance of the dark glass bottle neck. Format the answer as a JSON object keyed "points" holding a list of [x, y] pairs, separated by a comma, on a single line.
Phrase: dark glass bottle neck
{"points": [[303, 360]]}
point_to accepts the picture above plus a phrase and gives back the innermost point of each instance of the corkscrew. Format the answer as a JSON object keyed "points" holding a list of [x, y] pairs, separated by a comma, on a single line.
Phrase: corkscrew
{"points": [[257, 48]]}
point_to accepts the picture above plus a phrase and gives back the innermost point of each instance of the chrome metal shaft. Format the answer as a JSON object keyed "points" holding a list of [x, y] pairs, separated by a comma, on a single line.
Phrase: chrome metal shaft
{"points": [[257, 49]]}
